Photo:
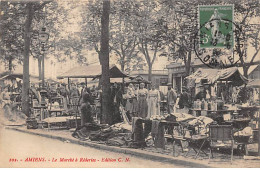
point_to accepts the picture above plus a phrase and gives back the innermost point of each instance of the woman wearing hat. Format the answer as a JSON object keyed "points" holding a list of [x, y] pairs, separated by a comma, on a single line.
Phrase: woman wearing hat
{"points": [[142, 101]]}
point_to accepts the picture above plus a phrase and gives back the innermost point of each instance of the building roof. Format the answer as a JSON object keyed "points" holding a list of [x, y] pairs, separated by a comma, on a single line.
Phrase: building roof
{"points": [[91, 71]]}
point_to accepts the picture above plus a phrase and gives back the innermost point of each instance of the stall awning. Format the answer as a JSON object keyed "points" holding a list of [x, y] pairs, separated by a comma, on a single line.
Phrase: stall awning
{"points": [[212, 75], [254, 83], [91, 71]]}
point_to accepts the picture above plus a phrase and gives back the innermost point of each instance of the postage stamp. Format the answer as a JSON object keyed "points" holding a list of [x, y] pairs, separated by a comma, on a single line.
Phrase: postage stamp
{"points": [[219, 40], [216, 28]]}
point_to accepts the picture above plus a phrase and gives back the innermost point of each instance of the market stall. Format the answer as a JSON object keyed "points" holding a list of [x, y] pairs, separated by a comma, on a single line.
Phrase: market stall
{"points": [[75, 91], [213, 90], [221, 94]]}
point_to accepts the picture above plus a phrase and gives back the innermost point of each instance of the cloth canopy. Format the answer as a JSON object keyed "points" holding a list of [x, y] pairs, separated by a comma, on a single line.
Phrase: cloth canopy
{"points": [[91, 71], [212, 75]]}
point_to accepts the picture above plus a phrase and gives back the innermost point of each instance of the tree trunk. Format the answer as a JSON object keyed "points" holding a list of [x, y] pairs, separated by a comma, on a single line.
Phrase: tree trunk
{"points": [[40, 67], [245, 68], [187, 64], [104, 56], [150, 72], [26, 77], [123, 66]]}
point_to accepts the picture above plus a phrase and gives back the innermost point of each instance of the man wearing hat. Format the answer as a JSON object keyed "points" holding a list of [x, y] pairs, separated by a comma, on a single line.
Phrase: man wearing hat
{"points": [[201, 94], [185, 100], [171, 99]]}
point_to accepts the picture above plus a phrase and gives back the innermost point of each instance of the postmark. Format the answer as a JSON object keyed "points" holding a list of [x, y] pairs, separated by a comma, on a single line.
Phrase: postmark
{"points": [[219, 41]]}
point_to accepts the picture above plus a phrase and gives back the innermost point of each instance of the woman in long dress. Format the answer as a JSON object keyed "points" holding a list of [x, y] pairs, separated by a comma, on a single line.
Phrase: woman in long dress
{"points": [[153, 102], [142, 101]]}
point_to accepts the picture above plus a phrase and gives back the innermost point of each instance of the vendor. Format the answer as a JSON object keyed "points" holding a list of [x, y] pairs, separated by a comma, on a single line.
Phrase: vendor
{"points": [[184, 102], [86, 112]]}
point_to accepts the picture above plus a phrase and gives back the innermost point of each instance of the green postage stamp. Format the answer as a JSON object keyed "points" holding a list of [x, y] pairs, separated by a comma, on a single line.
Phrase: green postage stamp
{"points": [[216, 26]]}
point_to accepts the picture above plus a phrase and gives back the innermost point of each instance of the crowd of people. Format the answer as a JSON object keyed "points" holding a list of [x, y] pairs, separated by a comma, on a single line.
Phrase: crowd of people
{"points": [[136, 99]]}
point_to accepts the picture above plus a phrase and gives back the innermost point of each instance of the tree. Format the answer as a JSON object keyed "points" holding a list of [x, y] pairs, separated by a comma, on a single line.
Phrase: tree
{"points": [[181, 28], [247, 13], [11, 31], [148, 25], [26, 76], [22, 43], [104, 60], [183, 20], [123, 40]]}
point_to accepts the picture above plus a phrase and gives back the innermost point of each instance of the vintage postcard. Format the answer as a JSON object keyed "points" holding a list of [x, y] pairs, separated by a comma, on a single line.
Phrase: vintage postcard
{"points": [[129, 84]]}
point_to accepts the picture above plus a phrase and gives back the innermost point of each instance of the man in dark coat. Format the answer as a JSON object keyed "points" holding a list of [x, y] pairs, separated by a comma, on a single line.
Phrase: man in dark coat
{"points": [[184, 101], [116, 99], [202, 94], [86, 110]]}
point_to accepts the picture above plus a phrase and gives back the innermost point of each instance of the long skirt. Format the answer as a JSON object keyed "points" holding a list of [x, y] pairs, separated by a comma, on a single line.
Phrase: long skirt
{"points": [[135, 107], [142, 107], [153, 107]]}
